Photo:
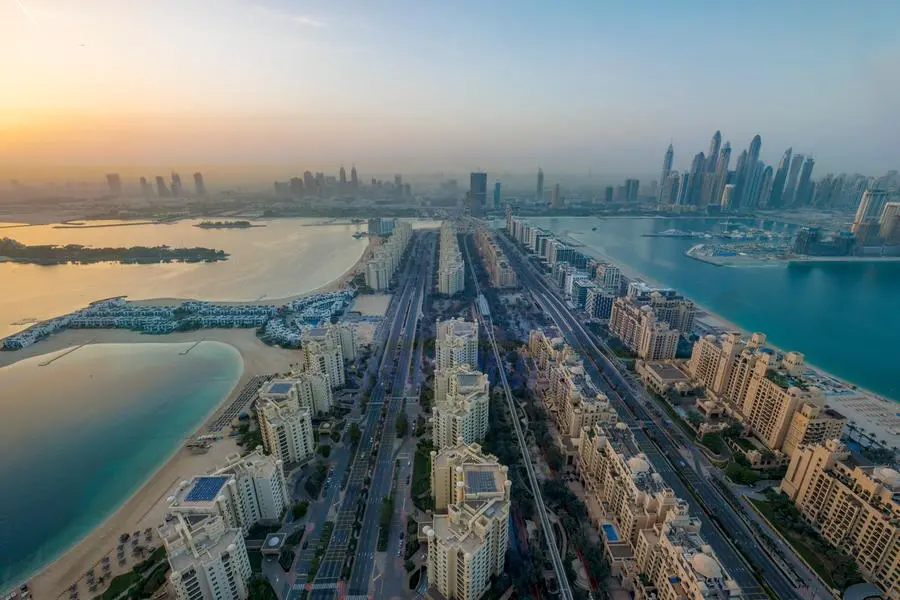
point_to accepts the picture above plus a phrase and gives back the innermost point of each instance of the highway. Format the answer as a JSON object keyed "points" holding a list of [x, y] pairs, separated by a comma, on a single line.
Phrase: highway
{"points": [[487, 324], [662, 450], [400, 327]]}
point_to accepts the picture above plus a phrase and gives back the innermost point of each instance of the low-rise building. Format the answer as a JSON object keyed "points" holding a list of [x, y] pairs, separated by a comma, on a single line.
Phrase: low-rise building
{"points": [[661, 376]]}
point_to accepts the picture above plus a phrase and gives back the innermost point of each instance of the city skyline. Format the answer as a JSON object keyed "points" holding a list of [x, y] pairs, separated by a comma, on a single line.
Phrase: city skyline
{"points": [[325, 84]]}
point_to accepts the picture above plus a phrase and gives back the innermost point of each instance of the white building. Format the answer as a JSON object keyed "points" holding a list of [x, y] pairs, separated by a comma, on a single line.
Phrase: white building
{"points": [[323, 352], [456, 344], [314, 391], [209, 560], [285, 425], [460, 406]]}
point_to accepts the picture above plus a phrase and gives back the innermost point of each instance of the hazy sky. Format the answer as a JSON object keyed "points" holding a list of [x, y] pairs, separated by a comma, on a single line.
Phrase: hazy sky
{"points": [[436, 84]]}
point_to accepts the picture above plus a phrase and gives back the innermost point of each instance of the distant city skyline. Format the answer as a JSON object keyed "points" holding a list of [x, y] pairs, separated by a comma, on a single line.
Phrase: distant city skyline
{"points": [[506, 86]]}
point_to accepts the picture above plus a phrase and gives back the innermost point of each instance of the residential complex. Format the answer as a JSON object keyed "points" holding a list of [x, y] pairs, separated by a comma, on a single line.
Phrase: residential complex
{"points": [[386, 258], [640, 330], [456, 344], [451, 268], [469, 535], [246, 491], [285, 425], [208, 559], [499, 270], [323, 353], [460, 406], [654, 547], [854, 505]]}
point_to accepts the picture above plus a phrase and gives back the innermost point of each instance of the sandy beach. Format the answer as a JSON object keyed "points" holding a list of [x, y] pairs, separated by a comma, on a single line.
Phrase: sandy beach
{"points": [[877, 414], [146, 508]]}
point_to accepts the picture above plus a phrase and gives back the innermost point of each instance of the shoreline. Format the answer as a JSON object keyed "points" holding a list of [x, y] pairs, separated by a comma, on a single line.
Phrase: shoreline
{"points": [[879, 406], [143, 507]]}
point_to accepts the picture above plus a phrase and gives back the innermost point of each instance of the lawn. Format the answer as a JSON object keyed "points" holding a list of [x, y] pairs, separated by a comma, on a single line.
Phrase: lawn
{"points": [[421, 477]]}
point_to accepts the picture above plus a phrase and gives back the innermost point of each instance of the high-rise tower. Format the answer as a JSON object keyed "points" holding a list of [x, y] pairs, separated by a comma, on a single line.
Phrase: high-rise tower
{"points": [[775, 199], [342, 177], [199, 186], [804, 187], [790, 189], [666, 168], [713, 157], [539, 194], [696, 183], [721, 173], [354, 179]]}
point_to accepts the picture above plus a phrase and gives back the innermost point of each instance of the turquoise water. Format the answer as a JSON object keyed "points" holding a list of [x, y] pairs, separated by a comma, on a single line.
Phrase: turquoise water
{"points": [[79, 436], [845, 317]]}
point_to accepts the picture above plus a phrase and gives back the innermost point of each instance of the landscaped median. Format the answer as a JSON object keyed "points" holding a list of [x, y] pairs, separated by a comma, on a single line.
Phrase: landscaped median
{"points": [[321, 547], [834, 568]]}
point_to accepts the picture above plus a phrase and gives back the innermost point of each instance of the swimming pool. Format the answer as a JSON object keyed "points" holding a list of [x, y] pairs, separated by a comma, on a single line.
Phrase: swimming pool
{"points": [[610, 532]]}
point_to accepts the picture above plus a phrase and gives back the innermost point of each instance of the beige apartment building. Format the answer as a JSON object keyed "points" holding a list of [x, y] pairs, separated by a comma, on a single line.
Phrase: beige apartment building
{"points": [[499, 270], [461, 400], [572, 398], [285, 425], [451, 269], [714, 358], [456, 344], [678, 564], [323, 353], [640, 330], [469, 535], [855, 506]]}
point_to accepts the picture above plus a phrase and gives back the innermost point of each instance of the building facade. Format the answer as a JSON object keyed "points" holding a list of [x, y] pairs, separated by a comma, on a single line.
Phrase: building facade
{"points": [[456, 344], [461, 400], [451, 268], [285, 426]]}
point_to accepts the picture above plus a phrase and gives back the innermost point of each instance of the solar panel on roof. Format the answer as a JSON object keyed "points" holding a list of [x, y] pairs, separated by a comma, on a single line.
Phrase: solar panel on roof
{"points": [[480, 482], [205, 489], [280, 388]]}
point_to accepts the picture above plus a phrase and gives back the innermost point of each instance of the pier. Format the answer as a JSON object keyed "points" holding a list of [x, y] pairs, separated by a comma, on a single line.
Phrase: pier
{"points": [[191, 347], [63, 354]]}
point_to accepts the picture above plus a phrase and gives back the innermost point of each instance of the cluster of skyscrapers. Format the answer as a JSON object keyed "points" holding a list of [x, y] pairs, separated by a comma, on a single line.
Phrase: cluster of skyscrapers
{"points": [[752, 184], [173, 189], [386, 257], [320, 185], [451, 268], [653, 545], [876, 220]]}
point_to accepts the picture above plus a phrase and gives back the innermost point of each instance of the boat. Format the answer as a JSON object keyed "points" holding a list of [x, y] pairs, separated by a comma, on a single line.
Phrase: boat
{"points": [[359, 234], [593, 229]]}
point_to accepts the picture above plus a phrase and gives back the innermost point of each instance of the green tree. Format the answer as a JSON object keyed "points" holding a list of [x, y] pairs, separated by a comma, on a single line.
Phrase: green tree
{"points": [[409, 565], [299, 509], [401, 425], [354, 434], [325, 450]]}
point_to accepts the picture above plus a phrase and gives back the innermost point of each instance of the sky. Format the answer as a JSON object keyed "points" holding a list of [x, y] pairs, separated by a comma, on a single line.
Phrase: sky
{"points": [[426, 85]]}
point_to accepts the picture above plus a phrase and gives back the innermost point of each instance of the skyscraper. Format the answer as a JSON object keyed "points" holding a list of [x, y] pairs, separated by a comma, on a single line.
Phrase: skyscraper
{"points": [[804, 187], [631, 190], [684, 187], [295, 185], [162, 190], [750, 197], [556, 199], [199, 186], [477, 191], [146, 188], [539, 195], [115, 184], [609, 194], [755, 147], [354, 179], [745, 171], [713, 156], [342, 177], [666, 168], [721, 173], [765, 188], [775, 199], [696, 183], [669, 189], [176, 185], [496, 203], [790, 189]]}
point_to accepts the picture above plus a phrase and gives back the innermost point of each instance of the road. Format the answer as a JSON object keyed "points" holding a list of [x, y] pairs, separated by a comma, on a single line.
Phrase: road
{"points": [[400, 324], [565, 589], [662, 450]]}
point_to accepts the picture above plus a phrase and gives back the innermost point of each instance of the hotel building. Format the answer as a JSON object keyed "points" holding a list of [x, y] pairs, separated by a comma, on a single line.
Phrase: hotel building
{"points": [[208, 559], [456, 344], [461, 404], [640, 330], [713, 358], [323, 353], [285, 425], [469, 535], [854, 505]]}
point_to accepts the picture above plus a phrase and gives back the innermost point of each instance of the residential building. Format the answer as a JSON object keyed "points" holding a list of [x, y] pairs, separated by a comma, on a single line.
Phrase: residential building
{"points": [[609, 277], [638, 328], [677, 563], [673, 309], [666, 169], [451, 268], [713, 359], [599, 302], [386, 257], [854, 505], [323, 353], [285, 425], [456, 344], [556, 198], [889, 223], [469, 534], [314, 391], [499, 270], [461, 400], [812, 424], [572, 398], [208, 559], [248, 490]]}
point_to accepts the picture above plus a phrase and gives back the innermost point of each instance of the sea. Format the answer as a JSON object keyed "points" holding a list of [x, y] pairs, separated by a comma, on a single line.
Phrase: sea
{"points": [[843, 316], [282, 258], [83, 433]]}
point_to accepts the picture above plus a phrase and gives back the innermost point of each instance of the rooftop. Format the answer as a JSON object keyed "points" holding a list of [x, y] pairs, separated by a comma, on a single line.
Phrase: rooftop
{"points": [[279, 387], [205, 489]]}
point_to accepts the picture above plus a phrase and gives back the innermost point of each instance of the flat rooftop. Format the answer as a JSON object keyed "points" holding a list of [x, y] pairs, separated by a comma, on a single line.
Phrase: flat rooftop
{"points": [[667, 372], [205, 489], [279, 387]]}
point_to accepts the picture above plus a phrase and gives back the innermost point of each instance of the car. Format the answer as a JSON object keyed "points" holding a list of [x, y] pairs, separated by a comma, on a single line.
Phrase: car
{"points": [[305, 544]]}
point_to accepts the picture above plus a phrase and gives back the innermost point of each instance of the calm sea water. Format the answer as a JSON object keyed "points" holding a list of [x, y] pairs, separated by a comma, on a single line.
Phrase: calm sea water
{"points": [[845, 317], [79, 436], [284, 258]]}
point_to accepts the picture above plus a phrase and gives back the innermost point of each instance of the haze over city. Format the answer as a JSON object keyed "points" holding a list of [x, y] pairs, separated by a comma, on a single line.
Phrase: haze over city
{"points": [[421, 87]]}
